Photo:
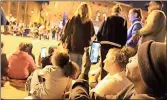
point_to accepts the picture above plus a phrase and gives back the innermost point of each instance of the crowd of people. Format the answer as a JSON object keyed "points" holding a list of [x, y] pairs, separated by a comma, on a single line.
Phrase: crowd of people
{"points": [[133, 66], [34, 30]]}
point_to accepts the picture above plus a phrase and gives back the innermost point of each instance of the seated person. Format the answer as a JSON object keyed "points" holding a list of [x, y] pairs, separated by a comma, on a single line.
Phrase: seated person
{"points": [[4, 66], [4, 62], [21, 64], [47, 60], [115, 65], [148, 71], [58, 77]]}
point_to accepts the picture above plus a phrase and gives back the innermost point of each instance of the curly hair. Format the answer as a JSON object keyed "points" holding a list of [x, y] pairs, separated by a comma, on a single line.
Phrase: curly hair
{"points": [[122, 55]]}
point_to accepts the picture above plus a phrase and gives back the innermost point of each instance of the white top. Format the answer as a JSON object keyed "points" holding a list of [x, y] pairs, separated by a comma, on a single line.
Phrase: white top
{"points": [[55, 82], [111, 85]]}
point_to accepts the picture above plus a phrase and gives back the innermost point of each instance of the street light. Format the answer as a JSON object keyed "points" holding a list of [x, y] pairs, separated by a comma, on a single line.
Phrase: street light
{"points": [[32, 11]]}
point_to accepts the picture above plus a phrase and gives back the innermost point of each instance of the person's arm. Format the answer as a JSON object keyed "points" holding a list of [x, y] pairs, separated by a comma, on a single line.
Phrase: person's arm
{"points": [[85, 65], [43, 72], [66, 31], [153, 20], [32, 65], [135, 28], [93, 35]]}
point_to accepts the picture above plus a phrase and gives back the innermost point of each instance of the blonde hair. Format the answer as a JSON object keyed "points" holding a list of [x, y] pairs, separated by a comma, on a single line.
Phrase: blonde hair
{"points": [[84, 12], [122, 55], [116, 9]]}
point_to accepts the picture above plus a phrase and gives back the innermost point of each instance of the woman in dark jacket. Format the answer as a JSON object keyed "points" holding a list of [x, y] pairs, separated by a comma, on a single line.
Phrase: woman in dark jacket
{"points": [[78, 32], [114, 29]]}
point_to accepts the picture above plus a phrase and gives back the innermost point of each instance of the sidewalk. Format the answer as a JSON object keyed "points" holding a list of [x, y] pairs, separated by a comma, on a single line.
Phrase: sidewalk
{"points": [[10, 92]]}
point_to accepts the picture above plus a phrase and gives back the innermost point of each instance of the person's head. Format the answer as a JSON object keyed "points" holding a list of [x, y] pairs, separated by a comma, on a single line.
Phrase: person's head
{"points": [[154, 5], [149, 67], [51, 50], [135, 13], [61, 59], [23, 46], [84, 12], [116, 10], [29, 48], [117, 59]]}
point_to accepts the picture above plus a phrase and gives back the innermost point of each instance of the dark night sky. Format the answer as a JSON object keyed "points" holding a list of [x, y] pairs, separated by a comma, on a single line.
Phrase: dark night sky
{"points": [[141, 4], [135, 4]]}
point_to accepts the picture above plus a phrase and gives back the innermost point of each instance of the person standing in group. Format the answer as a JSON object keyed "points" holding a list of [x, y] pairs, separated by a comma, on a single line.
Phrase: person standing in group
{"points": [[78, 32], [155, 26], [113, 29], [135, 17]]}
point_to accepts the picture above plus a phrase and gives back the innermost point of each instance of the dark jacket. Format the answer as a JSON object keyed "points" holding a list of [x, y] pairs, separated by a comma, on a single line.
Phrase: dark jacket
{"points": [[114, 29], [78, 34], [46, 61]]}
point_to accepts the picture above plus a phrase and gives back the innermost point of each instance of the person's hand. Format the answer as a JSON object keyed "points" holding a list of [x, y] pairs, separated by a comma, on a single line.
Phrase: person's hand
{"points": [[135, 37], [86, 61]]}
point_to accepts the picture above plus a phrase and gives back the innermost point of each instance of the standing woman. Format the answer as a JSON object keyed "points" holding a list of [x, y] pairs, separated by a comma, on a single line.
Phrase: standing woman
{"points": [[135, 17], [113, 29], [78, 32]]}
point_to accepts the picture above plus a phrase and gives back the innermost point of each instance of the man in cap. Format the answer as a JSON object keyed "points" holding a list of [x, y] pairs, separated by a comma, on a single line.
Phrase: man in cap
{"points": [[154, 5], [155, 26]]}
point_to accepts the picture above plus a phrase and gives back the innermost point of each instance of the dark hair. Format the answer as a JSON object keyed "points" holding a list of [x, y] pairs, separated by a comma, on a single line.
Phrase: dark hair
{"points": [[61, 59], [51, 50], [138, 11]]}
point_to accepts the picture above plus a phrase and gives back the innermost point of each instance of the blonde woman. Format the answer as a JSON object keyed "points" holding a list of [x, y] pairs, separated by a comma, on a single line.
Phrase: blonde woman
{"points": [[78, 32]]}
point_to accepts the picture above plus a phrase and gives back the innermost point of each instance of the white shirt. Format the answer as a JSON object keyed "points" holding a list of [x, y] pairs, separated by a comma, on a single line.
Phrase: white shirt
{"points": [[111, 85], [55, 82]]}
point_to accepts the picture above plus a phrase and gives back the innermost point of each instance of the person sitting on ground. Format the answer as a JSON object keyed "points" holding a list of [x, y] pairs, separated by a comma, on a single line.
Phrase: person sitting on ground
{"points": [[4, 66], [4, 62], [115, 65], [58, 77], [21, 64], [116, 79], [47, 60], [148, 71]]}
